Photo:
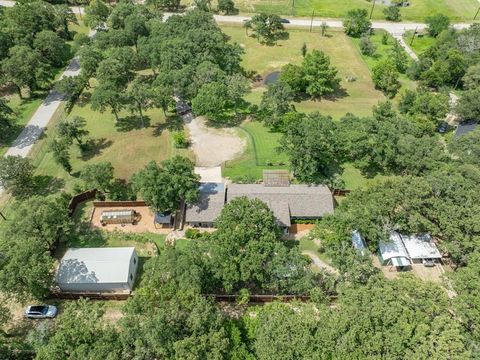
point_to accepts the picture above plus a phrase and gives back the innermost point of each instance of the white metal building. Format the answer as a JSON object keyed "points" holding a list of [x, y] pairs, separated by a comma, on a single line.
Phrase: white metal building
{"points": [[420, 247], [393, 252], [359, 243], [98, 270]]}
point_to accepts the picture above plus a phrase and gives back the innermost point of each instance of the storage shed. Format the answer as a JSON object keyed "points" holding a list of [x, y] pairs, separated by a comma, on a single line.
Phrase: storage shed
{"points": [[420, 247], [98, 270], [117, 217], [358, 243], [163, 220], [393, 252]]}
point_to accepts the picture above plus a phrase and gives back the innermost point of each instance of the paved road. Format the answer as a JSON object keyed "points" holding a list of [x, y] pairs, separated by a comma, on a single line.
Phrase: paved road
{"points": [[40, 119]]}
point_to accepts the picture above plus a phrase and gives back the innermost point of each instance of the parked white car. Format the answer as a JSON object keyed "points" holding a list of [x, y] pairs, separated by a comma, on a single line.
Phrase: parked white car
{"points": [[41, 311]]}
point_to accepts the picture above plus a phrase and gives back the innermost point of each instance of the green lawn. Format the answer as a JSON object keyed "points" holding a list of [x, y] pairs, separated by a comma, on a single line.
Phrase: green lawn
{"points": [[358, 96], [417, 11], [381, 53], [127, 145], [260, 153], [420, 43]]}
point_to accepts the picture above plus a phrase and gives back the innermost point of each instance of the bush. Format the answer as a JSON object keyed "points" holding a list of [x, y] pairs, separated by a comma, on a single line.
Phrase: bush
{"points": [[180, 140], [385, 77], [392, 13], [193, 233], [436, 24], [367, 47]]}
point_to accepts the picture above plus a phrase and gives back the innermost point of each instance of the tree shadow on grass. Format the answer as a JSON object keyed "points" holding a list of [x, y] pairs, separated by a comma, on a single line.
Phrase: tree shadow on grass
{"points": [[84, 99], [46, 184], [94, 147], [132, 122], [339, 93], [172, 123]]}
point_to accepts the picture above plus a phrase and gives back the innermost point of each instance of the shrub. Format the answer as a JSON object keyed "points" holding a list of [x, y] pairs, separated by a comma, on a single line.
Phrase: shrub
{"points": [[367, 47], [392, 13], [193, 233], [180, 140]]}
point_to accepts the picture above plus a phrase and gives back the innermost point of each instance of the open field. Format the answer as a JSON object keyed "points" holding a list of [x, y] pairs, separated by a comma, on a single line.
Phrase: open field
{"points": [[420, 43], [457, 9], [127, 145], [358, 96]]}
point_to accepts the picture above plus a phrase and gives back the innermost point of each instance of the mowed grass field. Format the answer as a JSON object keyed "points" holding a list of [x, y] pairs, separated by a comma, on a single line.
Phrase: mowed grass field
{"points": [[420, 43], [457, 10], [126, 145], [261, 153], [358, 96]]}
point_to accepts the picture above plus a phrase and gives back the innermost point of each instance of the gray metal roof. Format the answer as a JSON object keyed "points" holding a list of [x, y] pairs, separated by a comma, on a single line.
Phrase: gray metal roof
{"points": [[358, 243], [304, 201], [393, 248], [421, 247], [95, 265], [209, 205]]}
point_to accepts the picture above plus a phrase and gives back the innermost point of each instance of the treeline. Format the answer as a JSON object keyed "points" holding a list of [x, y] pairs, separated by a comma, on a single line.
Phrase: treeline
{"points": [[139, 62], [33, 39]]}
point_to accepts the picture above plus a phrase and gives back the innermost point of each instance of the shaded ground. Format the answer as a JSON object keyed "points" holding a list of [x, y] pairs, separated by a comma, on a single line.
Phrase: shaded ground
{"points": [[212, 147]]}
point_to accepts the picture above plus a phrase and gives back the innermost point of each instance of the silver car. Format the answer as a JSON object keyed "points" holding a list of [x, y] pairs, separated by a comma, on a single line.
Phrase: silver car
{"points": [[41, 312]]}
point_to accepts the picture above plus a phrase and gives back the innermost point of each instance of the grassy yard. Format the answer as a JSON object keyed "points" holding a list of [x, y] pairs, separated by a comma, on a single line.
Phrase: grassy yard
{"points": [[418, 9], [381, 53], [260, 153], [358, 96], [127, 145], [420, 43]]}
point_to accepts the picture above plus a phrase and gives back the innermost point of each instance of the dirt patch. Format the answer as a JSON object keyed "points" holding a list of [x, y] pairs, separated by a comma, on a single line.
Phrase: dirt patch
{"points": [[144, 221], [212, 147]]}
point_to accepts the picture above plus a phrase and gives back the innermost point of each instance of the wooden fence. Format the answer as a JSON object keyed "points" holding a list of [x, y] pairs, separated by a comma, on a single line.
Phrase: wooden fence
{"points": [[91, 296], [79, 198], [119, 203], [260, 298], [341, 192]]}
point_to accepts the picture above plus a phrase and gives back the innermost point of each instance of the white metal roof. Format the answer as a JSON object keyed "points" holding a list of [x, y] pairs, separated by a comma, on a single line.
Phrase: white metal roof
{"points": [[393, 248], [358, 243], [420, 247], [95, 265]]}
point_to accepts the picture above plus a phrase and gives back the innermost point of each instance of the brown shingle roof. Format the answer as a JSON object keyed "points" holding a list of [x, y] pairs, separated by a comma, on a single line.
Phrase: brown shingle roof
{"points": [[302, 201]]}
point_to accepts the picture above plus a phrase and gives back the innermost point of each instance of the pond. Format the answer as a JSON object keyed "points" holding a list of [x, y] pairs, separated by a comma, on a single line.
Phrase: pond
{"points": [[272, 77]]}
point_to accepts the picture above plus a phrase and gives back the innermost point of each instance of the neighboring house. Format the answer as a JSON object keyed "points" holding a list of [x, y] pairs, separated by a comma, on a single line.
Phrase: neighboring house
{"points": [[208, 207], [393, 252], [288, 203], [465, 127], [358, 243], [98, 270], [420, 248]]}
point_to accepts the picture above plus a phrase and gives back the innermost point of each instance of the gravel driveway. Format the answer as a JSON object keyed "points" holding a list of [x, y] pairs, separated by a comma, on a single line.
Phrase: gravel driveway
{"points": [[212, 147]]}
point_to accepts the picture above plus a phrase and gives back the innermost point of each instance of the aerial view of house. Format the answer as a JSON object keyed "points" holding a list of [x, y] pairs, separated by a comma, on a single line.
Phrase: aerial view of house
{"points": [[239, 180]]}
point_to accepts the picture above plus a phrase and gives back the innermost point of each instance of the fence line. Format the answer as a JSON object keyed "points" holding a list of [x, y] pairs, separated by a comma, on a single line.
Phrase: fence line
{"points": [[79, 198], [119, 203]]}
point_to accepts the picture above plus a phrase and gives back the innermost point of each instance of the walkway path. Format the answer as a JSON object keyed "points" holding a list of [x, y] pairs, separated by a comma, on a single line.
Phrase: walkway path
{"points": [[322, 265]]}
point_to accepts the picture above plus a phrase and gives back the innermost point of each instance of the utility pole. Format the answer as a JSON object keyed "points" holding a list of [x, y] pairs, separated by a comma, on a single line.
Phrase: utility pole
{"points": [[476, 13], [373, 7], [3, 216], [413, 37], [293, 7], [311, 22]]}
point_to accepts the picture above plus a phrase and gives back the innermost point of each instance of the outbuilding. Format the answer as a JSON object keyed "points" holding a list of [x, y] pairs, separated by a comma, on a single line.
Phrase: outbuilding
{"points": [[421, 248], [111, 270], [358, 243], [393, 252]]}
